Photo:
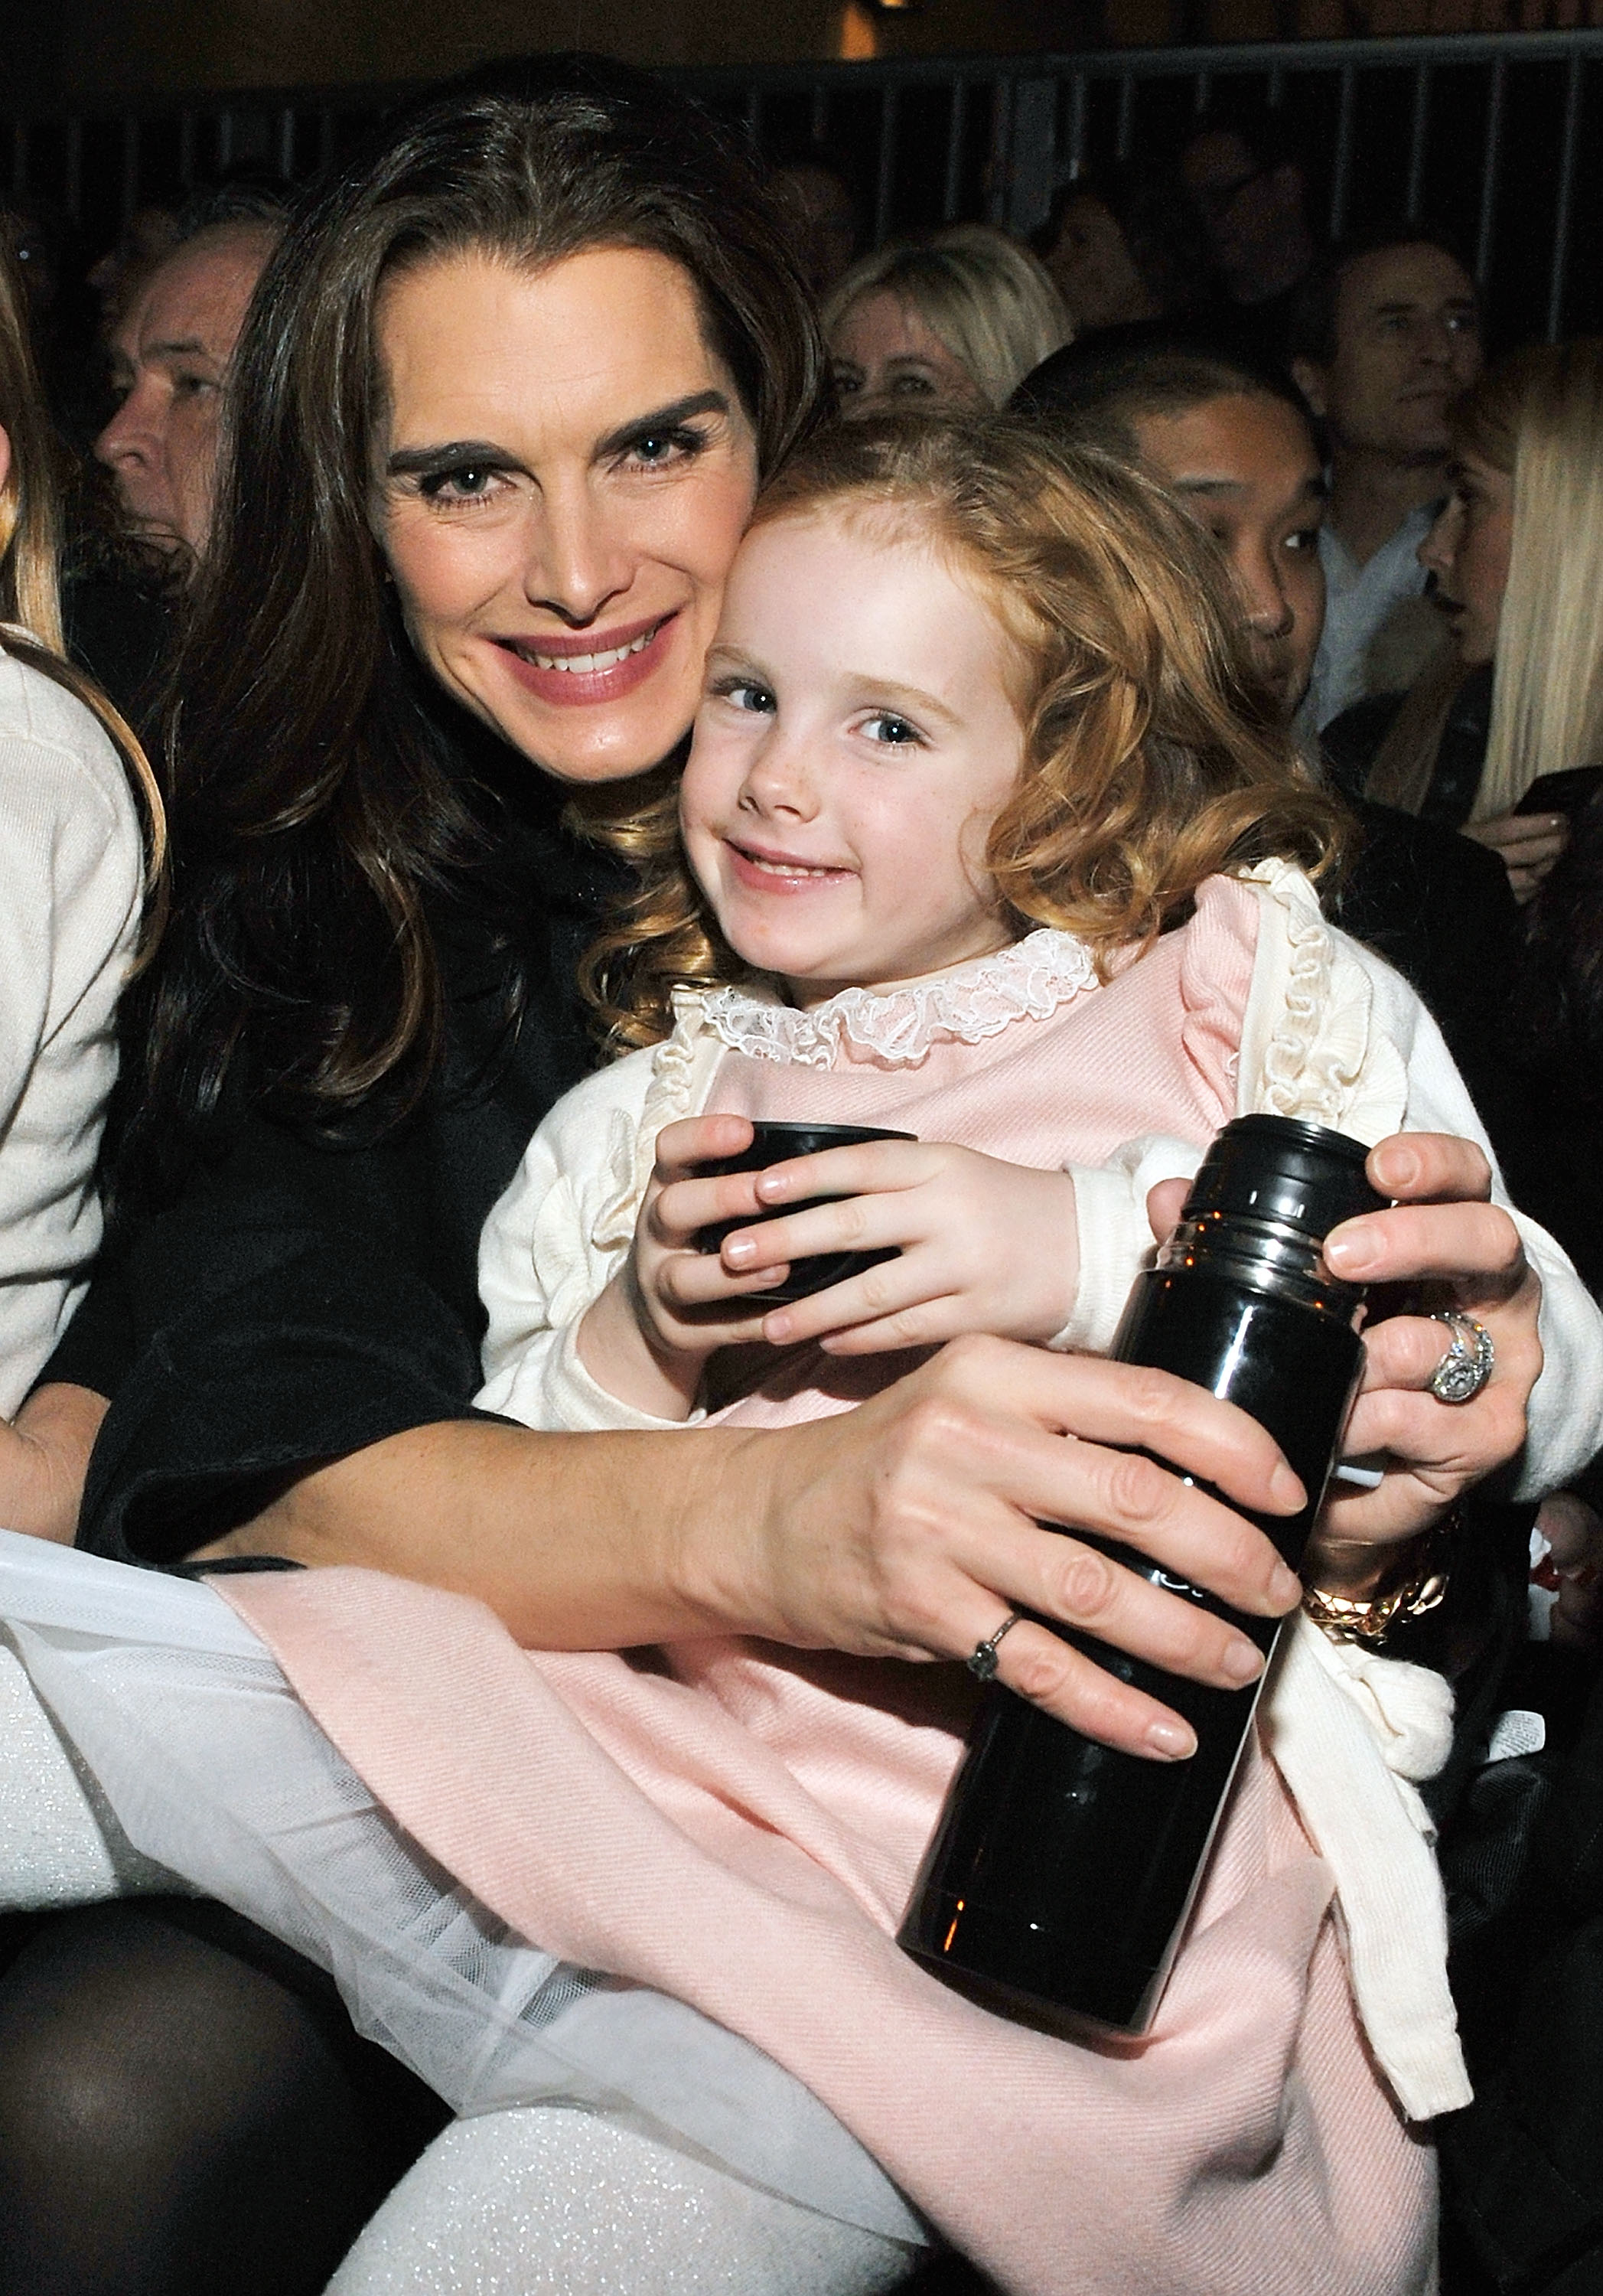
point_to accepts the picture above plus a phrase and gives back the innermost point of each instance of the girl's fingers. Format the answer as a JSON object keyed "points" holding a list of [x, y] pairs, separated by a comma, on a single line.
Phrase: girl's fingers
{"points": [[688, 1280], [869, 1169]]}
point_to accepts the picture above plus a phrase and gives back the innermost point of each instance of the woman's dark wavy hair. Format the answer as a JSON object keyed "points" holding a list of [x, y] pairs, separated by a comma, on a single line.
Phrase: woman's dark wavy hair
{"points": [[318, 793]]}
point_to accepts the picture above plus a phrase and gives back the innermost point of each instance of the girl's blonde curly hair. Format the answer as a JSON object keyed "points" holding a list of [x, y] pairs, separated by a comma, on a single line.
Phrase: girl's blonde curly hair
{"points": [[1154, 756]]}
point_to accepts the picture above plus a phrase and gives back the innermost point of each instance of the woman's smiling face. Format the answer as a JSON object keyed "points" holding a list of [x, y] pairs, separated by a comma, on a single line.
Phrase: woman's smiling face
{"points": [[858, 738], [564, 476]]}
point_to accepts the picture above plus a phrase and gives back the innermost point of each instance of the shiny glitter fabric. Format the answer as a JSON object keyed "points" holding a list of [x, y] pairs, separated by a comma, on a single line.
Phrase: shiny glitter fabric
{"points": [[539, 2199], [59, 1843]]}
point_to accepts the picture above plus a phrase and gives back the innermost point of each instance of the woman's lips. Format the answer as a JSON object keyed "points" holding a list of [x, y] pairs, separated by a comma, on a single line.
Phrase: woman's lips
{"points": [[781, 872], [602, 669]]}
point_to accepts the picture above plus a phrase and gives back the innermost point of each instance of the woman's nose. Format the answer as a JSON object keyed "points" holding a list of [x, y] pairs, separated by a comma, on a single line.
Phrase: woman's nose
{"points": [[1435, 552], [579, 562]]}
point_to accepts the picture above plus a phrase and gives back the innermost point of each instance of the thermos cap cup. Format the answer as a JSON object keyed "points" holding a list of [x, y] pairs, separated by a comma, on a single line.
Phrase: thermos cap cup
{"points": [[1277, 1168]]}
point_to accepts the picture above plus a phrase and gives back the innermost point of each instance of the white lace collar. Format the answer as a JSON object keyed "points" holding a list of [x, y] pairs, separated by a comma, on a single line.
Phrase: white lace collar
{"points": [[1027, 981]]}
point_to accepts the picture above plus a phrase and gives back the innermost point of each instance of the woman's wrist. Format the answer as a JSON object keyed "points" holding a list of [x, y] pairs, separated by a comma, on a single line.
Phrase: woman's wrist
{"points": [[1403, 1582]]}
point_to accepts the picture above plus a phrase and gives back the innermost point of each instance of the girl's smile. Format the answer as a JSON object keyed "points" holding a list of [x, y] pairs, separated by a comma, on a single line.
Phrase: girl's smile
{"points": [[857, 739]]}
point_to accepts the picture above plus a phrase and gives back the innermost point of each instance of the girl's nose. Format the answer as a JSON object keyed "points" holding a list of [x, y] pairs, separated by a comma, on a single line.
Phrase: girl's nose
{"points": [[778, 779]]}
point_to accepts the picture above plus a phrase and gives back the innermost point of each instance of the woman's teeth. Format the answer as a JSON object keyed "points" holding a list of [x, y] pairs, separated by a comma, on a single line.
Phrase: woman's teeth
{"points": [[581, 662]]}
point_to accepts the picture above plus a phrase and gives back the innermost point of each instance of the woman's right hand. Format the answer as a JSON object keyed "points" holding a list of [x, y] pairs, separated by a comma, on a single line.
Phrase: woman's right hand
{"points": [[1527, 844], [44, 1459], [911, 1526]]}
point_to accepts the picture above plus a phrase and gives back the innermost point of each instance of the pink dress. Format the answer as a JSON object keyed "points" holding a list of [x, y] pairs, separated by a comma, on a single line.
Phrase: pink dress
{"points": [[739, 1825]]}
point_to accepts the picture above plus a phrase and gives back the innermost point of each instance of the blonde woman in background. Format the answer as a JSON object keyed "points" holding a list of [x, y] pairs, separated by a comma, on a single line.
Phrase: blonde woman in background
{"points": [[956, 320], [1517, 553], [77, 867]]}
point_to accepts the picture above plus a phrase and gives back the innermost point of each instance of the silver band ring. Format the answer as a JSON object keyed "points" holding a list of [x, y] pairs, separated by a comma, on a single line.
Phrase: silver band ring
{"points": [[1467, 1363], [982, 1662]]}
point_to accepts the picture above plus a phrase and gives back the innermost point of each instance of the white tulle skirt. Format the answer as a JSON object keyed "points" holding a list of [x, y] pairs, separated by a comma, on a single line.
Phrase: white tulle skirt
{"points": [[149, 1741]]}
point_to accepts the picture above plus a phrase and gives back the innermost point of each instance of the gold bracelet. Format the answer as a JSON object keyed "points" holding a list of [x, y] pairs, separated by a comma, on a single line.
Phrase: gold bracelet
{"points": [[1421, 1590]]}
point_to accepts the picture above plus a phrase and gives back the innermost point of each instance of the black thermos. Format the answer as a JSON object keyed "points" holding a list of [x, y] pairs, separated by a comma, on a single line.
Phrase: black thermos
{"points": [[1061, 1872]]}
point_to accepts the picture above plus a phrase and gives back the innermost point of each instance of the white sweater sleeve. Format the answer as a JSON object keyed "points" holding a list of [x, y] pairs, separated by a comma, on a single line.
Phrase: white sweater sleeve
{"points": [[1332, 1034], [69, 908], [552, 1245], [563, 1228]]}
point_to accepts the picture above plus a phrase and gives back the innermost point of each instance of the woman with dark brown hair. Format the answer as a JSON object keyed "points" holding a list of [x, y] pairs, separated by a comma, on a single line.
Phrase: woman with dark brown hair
{"points": [[501, 412]]}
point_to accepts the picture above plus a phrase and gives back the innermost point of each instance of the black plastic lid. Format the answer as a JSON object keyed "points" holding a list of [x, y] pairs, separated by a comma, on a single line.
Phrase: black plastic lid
{"points": [[1278, 1168]]}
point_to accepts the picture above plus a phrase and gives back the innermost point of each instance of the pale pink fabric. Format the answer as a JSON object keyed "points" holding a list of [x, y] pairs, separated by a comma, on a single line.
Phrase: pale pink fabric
{"points": [[742, 1829]]}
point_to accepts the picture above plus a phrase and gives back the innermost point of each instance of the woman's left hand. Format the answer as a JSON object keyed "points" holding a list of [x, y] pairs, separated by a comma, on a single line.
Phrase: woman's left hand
{"points": [[1444, 1234], [1527, 844], [1441, 1233]]}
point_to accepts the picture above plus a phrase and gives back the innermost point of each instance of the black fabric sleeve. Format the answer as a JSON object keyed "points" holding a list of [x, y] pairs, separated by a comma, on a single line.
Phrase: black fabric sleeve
{"points": [[266, 1345]]}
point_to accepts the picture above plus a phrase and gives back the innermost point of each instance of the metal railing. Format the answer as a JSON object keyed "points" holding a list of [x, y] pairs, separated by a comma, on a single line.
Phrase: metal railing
{"points": [[1498, 136]]}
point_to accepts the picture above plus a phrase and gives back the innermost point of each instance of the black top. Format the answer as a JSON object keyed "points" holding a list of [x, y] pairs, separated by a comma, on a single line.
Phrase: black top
{"points": [[300, 1301], [1438, 907]]}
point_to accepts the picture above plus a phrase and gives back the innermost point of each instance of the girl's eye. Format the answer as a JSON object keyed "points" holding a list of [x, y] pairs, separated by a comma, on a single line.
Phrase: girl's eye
{"points": [[895, 731], [747, 693]]}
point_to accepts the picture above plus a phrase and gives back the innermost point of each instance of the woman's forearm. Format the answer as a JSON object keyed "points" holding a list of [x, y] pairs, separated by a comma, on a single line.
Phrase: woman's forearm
{"points": [[43, 1457]]}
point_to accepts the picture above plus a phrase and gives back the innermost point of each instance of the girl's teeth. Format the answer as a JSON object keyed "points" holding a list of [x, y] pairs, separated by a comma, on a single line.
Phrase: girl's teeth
{"points": [[788, 868], [578, 662]]}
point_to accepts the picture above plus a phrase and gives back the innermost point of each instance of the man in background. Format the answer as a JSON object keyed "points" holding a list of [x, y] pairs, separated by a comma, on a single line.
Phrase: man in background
{"points": [[1248, 187], [171, 347], [1385, 333]]}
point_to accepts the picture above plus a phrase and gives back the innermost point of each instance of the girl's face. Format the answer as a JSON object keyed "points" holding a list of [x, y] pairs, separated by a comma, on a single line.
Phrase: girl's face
{"points": [[1467, 551], [857, 739], [566, 474]]}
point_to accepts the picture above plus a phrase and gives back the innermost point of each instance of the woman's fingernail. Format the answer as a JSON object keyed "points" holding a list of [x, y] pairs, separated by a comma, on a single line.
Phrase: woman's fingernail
{"points": [[776, 1328], [1286, 1488], [740, 1250], [1352, 1252], [1174, 1741], [1285, 1587], [1241, 1662]]}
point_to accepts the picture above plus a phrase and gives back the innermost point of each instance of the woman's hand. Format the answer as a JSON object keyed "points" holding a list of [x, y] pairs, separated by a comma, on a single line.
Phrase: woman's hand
{"points": [[1527, 844], [910, 1527], [1445, 1236], [44, 1459], [982, 1246]]}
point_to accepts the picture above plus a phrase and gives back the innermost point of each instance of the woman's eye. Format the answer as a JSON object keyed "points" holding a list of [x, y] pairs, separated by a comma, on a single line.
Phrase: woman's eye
{"points": [[895, 731], [656, 450], [846, 384], [912, 386], [470, 482]]}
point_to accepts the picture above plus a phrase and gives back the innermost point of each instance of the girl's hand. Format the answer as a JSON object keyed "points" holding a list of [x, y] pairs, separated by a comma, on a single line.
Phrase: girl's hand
{"points": [[1527, 844], [649, 1336], [982, 1245]]}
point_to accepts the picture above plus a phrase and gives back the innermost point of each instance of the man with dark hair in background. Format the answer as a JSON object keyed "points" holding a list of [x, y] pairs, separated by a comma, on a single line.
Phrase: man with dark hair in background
{"points": [[1234, 443], [1385, 333]]}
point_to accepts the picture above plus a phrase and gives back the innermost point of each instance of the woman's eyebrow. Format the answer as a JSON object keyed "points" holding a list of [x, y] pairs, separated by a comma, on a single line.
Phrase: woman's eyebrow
{"points": [[426, 462], [663, 418]]}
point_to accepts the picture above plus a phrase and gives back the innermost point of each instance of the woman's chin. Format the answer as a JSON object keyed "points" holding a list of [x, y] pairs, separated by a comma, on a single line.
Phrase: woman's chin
{"points": [[605, 743]]}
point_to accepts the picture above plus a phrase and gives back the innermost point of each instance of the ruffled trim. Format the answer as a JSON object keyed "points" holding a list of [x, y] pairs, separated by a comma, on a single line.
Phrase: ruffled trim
{"points": [[1028, 982]]}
